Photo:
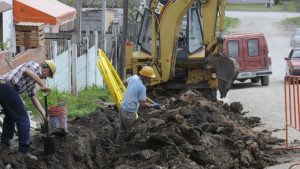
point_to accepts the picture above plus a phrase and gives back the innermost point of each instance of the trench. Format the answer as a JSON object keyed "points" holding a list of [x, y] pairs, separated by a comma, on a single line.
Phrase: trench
{"points": [[191, 132]]}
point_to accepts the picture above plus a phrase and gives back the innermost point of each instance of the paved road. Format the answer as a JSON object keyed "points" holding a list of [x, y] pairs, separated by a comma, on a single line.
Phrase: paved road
{"points": [[265, 102]]}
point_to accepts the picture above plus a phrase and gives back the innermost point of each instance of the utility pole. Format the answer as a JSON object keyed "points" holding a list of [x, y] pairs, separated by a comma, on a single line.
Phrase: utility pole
{"points": [[76, 36], [104, 24], [125, 35]]}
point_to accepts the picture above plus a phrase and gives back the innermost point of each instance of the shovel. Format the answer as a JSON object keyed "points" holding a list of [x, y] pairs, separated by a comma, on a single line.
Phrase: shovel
{"points": [[49, 141]]}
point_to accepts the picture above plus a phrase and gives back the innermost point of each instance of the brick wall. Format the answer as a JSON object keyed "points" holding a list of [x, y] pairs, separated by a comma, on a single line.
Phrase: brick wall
{"points": [[36, 54], [3, 64]]}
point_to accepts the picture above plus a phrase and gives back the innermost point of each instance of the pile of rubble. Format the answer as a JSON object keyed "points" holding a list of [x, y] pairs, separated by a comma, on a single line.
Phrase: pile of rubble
{"points": [[190, 132]]}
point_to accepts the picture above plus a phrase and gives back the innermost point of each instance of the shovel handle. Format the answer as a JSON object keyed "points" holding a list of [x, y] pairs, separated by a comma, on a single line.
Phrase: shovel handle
{"points": [[46, 111]]}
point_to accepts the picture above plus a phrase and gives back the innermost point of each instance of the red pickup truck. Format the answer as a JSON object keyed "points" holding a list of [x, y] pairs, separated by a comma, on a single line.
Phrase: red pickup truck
{"points": [[251, 52]]}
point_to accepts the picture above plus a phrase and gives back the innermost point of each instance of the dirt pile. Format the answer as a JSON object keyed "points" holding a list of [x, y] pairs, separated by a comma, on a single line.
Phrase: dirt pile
{"points": [[188, 133]]}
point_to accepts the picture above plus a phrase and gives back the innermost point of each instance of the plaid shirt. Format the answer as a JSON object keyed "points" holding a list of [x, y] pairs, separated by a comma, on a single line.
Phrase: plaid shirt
{"points": [[21, 81]]}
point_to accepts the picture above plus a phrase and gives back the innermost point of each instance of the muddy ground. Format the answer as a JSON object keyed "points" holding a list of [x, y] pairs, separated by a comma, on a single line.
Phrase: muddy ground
{"points": [[190, 132]]}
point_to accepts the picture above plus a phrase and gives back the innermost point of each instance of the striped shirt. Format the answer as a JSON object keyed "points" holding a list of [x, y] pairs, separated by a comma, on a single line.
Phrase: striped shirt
{"points": [[21, 81]]}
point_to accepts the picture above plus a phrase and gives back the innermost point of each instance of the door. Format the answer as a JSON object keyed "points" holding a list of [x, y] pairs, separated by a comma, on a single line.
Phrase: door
{"points": [[253, 56]]}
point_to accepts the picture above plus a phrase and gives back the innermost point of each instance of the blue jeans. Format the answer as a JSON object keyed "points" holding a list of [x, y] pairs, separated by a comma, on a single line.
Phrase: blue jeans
{"points": [[15, 113]]}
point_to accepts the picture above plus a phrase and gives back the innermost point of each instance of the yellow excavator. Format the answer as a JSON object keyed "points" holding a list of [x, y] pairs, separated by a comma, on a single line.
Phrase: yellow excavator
{"points": [[182, 41]]}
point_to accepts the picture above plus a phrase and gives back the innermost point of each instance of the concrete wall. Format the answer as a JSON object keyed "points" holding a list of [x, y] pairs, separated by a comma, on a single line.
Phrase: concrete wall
{"points": [[85, 73], [62, 78], [30, 55]]}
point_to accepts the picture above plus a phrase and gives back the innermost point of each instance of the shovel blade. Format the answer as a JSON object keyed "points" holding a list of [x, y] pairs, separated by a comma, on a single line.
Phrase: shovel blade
{"points": [[49, 145]]}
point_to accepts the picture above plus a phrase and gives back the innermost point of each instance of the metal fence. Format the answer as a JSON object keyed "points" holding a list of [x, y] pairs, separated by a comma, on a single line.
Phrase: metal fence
{"points": [[292, 106]]}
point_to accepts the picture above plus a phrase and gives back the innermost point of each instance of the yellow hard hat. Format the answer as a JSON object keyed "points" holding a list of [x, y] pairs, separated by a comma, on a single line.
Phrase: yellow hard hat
{"points": [[147, 71], [52, 67]]}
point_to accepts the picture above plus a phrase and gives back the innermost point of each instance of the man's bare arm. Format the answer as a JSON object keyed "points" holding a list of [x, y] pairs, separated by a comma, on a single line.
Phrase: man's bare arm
{"points": [[145, 104], [36, 78]]}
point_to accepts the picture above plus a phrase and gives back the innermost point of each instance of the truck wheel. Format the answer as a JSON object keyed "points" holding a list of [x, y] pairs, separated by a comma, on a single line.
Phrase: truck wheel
{"points": [[254, 80], [265, 80]]}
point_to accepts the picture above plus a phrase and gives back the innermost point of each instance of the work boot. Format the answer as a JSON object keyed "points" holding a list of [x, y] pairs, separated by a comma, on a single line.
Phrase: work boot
{"points": [[29, 156]]}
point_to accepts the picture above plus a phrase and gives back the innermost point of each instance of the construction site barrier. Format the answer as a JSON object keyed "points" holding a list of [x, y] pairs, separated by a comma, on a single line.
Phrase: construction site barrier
{"points": [[292, 106]]}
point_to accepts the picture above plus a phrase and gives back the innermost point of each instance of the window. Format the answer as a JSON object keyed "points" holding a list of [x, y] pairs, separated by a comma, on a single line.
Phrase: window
{"points": [[253, 47], [233, 48], [195, 33], [296, 54], [146, 34]]}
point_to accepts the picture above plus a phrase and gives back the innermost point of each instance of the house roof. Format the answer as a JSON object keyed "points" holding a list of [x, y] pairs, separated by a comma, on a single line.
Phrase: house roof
{"points": [[4, 6], [50, 12]]}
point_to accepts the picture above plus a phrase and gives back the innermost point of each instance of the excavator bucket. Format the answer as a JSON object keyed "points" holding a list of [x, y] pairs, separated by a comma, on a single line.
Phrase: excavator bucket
{"points": [[226, 69]]}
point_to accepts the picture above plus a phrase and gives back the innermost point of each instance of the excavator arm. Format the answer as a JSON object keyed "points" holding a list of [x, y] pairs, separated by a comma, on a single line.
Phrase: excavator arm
{"points": [[170, 17]]}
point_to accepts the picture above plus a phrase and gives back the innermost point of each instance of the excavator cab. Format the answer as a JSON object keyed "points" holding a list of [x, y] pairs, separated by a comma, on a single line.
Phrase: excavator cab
{"points": [[177, 39], [190, 38]]}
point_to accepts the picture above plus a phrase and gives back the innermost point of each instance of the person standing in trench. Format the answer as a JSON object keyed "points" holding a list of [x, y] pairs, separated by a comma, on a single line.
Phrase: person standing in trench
{"points": [[134, 98]]}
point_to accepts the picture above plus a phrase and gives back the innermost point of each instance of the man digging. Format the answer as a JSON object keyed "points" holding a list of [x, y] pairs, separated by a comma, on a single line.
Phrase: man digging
{"points": [[134, 98], [17, 81]]}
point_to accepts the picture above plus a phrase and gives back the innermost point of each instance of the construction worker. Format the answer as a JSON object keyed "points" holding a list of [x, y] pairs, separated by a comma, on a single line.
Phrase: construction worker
{"points": [[22, 79], [134, 98]]}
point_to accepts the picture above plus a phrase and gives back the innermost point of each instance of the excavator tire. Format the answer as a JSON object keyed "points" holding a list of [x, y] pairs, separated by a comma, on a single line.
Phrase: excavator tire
{"points": [[226, 69]]}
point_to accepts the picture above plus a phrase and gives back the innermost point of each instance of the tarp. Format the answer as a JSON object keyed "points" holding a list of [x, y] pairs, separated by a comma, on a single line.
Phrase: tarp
{"points": [[50, 12], [4, 6]]}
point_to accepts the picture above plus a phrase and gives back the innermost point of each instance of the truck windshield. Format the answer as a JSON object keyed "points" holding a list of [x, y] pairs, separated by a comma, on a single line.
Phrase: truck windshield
{"points": [[296, 54]]}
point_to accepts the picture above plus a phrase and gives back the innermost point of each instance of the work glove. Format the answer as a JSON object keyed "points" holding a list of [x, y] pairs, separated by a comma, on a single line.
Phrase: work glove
{"points": [[156, 106]]}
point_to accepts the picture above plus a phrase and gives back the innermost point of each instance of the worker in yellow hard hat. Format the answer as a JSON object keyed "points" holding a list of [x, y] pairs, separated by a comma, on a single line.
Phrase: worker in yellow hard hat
{"points": [[134, 98], [19, 80]]}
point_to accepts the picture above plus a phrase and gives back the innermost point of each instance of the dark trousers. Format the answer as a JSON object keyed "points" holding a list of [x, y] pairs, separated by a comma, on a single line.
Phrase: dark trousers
{"points": [[127, 119], [15, 113]]}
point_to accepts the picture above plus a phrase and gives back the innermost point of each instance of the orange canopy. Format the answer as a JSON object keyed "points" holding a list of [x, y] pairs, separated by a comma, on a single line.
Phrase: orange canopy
{"points": [[50, 12]]}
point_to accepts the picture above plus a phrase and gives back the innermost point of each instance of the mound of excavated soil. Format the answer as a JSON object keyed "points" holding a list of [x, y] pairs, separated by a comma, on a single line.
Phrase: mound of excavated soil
{"points": [[190, 132]]}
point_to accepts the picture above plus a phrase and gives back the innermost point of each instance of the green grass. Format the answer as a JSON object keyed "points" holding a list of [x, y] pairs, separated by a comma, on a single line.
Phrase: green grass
{"points": [[291, 7], [295, 21], [86, 101], [230, 22]]}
